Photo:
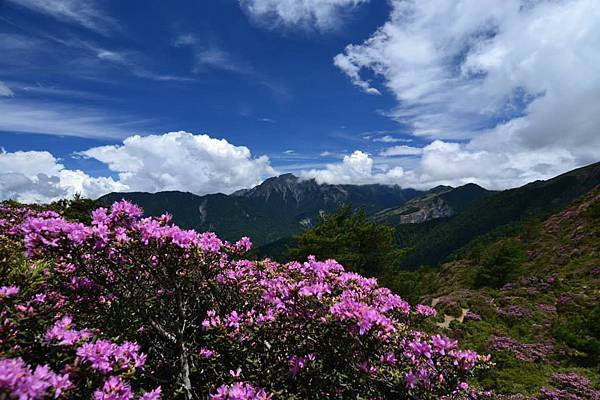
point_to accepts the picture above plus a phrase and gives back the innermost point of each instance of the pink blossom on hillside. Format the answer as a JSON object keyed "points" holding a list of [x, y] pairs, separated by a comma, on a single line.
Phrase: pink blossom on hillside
{"points": [[8, 291], [21, 382], [424, 310], [240, 391], [114, 388], [106, 356], [63, 332], [209, 242]]}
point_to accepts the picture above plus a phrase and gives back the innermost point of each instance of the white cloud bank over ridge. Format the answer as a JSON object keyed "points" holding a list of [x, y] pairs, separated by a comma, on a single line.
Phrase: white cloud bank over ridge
{"points": [[443, 163], [356, 169], [172, 161], [320, 14], [37, 176], [182, 161], [517, 79]]}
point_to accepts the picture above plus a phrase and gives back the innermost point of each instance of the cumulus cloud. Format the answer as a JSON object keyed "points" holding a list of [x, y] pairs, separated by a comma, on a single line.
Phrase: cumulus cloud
{"points": [[182, 161], [173, 161], [320, 14], [516, 79], [401, 151], [37, 176], [356, 169], [446, 163]]}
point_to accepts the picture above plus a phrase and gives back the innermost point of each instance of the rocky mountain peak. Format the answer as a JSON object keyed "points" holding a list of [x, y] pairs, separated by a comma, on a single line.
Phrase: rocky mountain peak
{"points": [[285, 186]]}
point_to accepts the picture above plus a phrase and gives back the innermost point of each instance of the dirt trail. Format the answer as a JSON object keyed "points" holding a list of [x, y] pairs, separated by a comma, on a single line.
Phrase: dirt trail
{"points": [[449, 318]]}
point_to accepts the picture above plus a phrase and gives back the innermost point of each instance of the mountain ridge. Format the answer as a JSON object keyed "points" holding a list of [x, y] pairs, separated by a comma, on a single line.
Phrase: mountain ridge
{"points": [[279, 207]]}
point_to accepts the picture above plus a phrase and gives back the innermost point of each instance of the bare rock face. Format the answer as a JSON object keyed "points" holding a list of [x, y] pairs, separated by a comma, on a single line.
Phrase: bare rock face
{"points": [[439, 202], [436, 208]]}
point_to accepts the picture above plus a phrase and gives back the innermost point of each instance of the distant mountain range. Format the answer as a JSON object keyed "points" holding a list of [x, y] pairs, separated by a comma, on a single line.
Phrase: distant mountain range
{"points": [[433, 223], [439, 202], [277, 208], [433, 241]]}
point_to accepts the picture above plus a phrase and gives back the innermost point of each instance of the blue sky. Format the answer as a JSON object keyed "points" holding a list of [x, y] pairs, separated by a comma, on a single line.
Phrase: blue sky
{"points": [[271, 91], [344, 91]]}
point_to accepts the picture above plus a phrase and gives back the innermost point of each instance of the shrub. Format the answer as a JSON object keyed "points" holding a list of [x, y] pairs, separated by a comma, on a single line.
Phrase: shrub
{"points": [[132, 303]]}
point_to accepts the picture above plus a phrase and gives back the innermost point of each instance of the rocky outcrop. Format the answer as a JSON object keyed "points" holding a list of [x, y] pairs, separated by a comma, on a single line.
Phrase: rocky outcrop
{"points": [[427, 211]]}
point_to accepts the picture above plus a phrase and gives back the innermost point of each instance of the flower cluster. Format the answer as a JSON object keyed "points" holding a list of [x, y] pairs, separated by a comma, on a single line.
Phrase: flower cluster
{"points": [[8, 291], [426, 310], [569, 386], [530, 352], [240, 391], [301, 330], [63, 332], [106, 356], [514, 312], [22, 382]]}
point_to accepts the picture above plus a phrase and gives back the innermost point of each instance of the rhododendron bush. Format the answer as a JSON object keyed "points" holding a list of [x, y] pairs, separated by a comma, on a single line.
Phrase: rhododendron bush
{"points": [[132, 307]]}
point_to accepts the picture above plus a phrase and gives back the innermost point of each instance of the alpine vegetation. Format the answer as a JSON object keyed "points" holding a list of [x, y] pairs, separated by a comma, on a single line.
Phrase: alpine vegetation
{"points": [[130, 307]]}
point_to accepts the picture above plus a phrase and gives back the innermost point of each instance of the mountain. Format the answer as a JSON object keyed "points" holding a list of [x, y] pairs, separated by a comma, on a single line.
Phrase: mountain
{"points": [[439, 202], [497, 211], [530, 298], [278, 208]]}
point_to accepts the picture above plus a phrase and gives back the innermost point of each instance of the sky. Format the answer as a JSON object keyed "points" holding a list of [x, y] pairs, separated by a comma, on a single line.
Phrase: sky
{"points": [[213, 96]]}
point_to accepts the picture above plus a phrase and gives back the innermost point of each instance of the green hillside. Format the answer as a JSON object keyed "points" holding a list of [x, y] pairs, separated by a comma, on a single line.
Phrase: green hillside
{"points": [[531, 300], [538, 199]]}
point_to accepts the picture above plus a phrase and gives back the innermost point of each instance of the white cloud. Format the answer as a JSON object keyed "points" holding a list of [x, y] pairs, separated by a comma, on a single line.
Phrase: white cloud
{"points": [[326, 154], [356, 169], [60, 119], [84, 13], [217, 58], [401, 151], [389, 139], [185, 40], [11, 41], [446, 163], [182, 161], [134, 63], [456, 164], [173, 161], [321, 14], [37, 176], [517, 79], [5, 90]]}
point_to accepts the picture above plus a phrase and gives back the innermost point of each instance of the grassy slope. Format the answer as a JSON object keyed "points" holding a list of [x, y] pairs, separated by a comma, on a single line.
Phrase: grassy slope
{"points": [[562, 271]]}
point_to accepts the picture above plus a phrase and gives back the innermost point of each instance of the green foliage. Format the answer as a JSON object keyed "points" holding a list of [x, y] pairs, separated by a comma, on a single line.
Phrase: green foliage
{"points": [[76, 209], [350, 237], [499, 263], [411, 285], [513, 376], [581, 331]]}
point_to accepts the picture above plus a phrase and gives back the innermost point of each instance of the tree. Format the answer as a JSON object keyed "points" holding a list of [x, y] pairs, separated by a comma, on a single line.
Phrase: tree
{"points": [[499, 262], [350, 237]]}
